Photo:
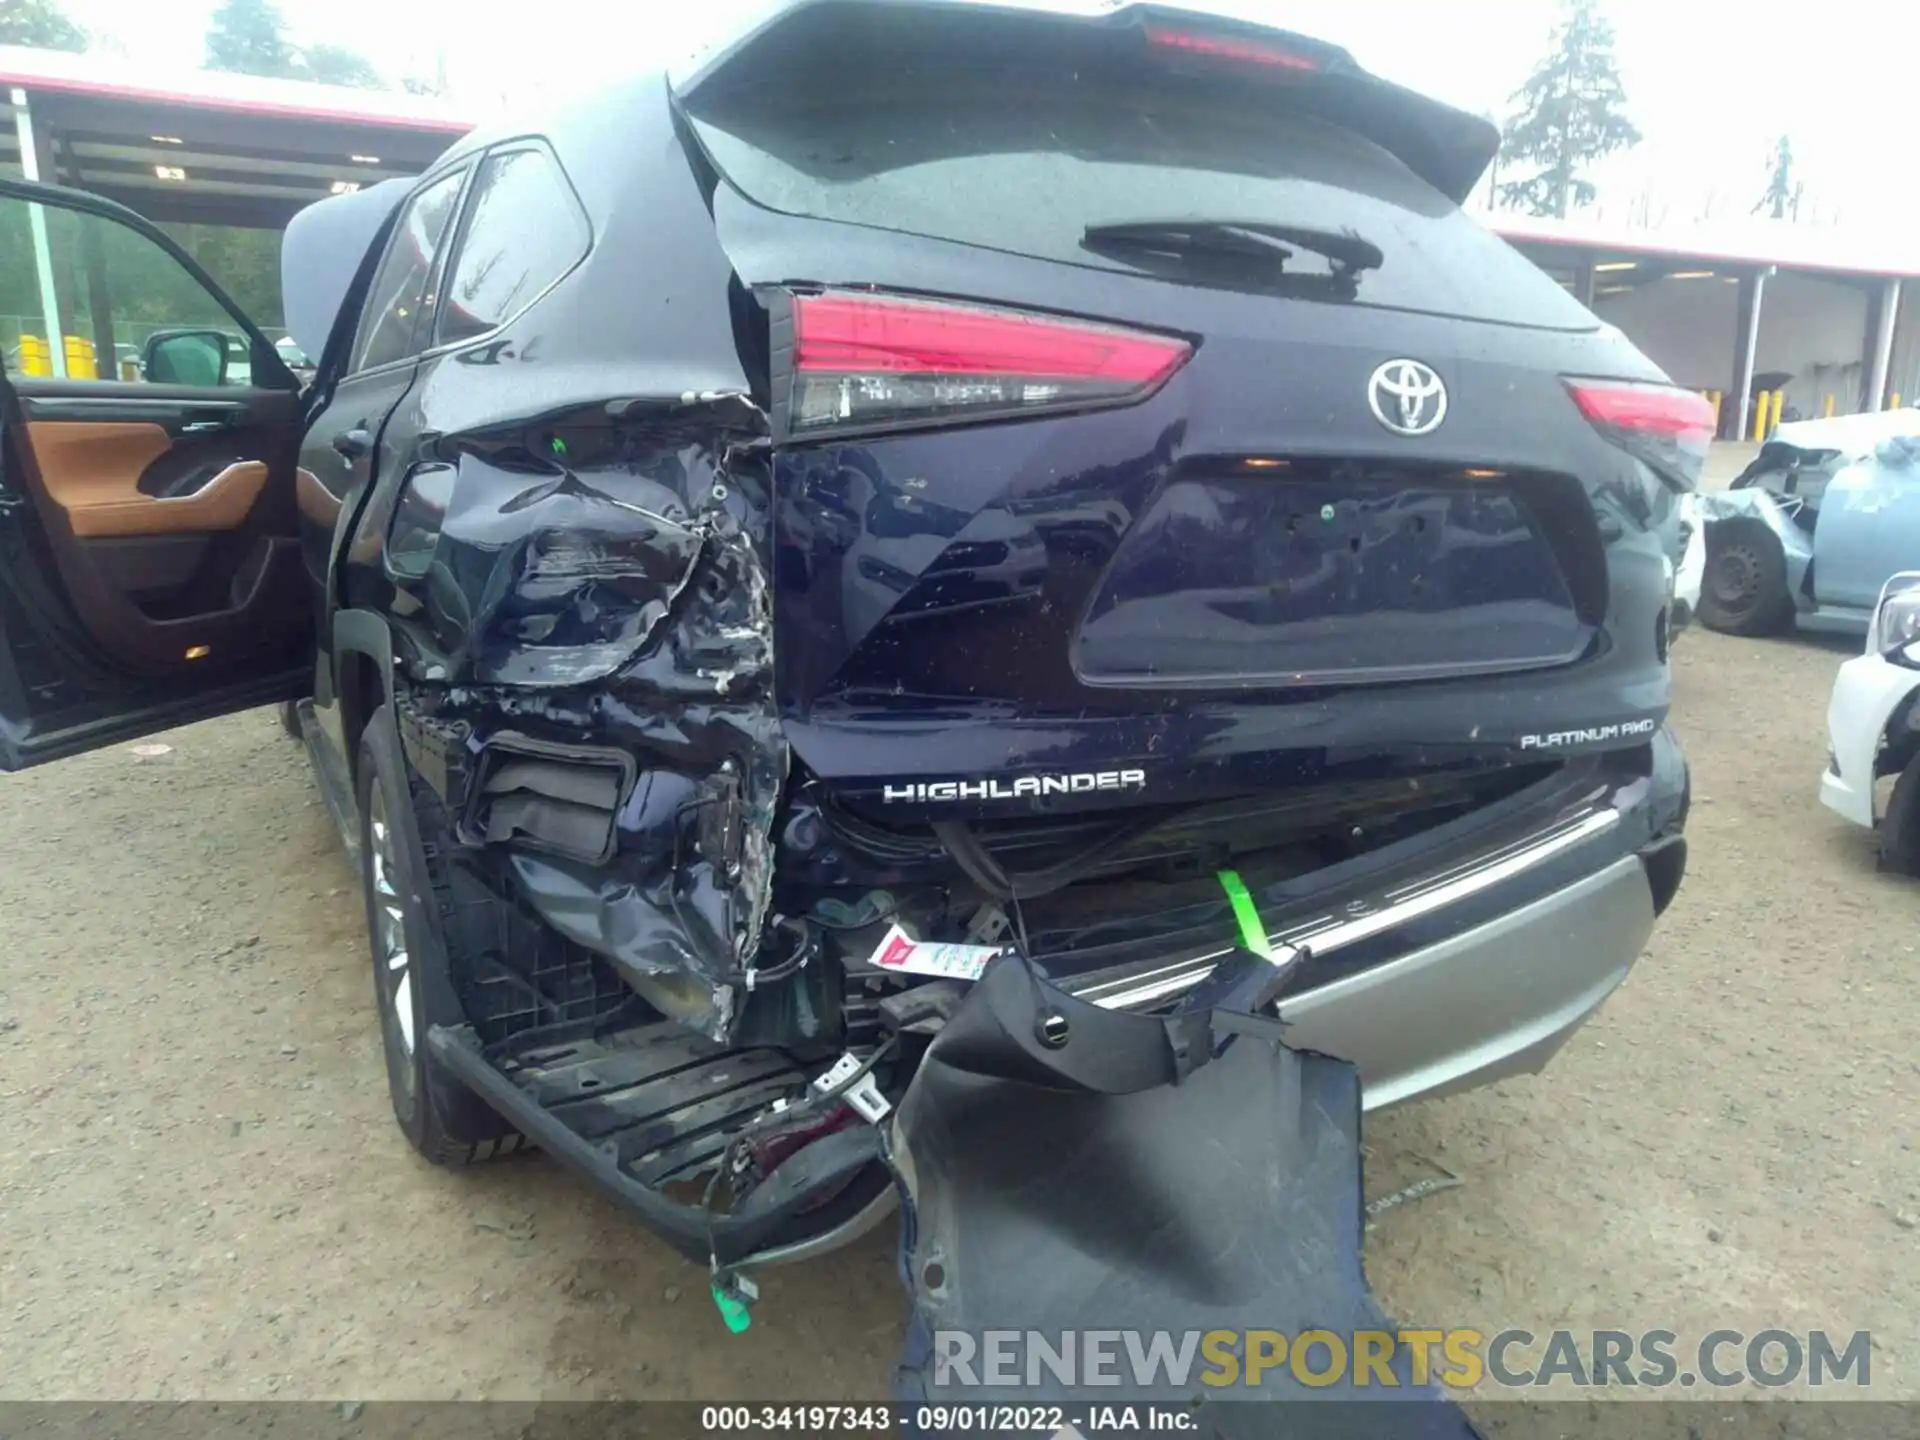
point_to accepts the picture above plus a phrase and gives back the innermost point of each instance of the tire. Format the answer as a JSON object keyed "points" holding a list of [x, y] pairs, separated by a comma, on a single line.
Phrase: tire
{"points": [[441, 1118], [290, 718], [1744, 590], [1900, 826]]}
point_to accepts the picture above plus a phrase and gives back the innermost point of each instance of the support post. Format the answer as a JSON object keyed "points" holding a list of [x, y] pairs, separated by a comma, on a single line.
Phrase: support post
{"points": [[1746, 340], [1877, 363], [1583, 282], [37, 223], [93, 253]]}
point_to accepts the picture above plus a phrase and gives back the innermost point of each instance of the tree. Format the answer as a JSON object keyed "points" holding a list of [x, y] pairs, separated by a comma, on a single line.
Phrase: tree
{"points": [[1572, 113], [246, 262], [337, 65], [435, 85], [1782, 196], [41, 24], [249, 37]]}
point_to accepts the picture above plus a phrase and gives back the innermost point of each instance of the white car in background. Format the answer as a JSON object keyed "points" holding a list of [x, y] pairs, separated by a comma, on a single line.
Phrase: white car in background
{"points": [[1873, 728]]}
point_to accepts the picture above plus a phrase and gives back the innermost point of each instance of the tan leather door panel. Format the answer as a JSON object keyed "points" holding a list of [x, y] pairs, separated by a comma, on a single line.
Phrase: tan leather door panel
{"points": [[92, 471]]}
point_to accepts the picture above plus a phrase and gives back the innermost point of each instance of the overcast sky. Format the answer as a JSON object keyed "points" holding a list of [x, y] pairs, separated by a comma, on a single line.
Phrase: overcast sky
{"points": [[1711, 83]]}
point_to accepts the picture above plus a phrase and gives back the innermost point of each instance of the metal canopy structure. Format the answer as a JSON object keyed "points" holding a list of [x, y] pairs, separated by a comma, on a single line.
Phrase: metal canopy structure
{"points": [[1750, 244], [1597, 261], [211, 148], [203, 147]]}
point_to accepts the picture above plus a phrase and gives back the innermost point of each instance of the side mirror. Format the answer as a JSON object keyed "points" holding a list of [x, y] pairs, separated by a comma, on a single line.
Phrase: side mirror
{"points": [[185, 357]]}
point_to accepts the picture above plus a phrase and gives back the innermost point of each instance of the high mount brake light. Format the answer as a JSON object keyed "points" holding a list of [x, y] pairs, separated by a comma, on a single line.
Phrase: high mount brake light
{"points": [[1230, 47], [861, 361], [1663, 425]]}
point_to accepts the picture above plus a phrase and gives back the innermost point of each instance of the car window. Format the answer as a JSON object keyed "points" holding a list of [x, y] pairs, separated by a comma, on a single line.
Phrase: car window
{"points": [[400, 288], [524, 231], [88, 298], [1021, 159]]}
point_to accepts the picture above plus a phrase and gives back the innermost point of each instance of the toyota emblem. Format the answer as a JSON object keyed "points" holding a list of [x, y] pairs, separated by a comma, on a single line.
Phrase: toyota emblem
{"points": [[1407, 397]]}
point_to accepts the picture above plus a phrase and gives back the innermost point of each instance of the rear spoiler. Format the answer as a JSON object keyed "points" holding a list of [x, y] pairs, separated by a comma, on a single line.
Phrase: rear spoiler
{"points": [[1448, 148]]}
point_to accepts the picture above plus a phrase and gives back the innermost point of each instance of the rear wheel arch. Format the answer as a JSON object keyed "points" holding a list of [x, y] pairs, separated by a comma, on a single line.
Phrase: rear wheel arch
{"points": [[363, 673], [440, 1117], [1898, 743]]}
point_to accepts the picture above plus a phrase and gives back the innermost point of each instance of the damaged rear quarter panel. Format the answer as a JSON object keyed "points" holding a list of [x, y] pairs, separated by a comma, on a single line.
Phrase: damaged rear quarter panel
{"points": [[626, 603], [573, 544]]}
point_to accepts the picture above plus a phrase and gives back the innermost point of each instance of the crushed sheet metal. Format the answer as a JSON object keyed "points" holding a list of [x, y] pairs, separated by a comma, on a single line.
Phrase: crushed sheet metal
{"points": [[1691, 573], [602, 578], [1702, 508]]}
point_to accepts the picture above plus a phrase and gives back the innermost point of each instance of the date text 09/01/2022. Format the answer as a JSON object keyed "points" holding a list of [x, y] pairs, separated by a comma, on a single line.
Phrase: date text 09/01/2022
{"points": [[853, 1420]]}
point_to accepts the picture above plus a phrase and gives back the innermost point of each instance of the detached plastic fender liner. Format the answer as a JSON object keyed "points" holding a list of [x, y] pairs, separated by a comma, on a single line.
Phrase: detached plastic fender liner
{"points": [[1228, 1201]]}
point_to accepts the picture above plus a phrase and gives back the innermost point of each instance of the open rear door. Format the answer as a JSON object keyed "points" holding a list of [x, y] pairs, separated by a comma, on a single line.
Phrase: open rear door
{"points": [[149, 557]]}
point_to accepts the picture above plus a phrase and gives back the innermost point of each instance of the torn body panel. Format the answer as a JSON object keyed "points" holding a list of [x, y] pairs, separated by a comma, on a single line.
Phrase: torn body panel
{"points": [[1778, 513], [599, 581], [1840, 497], [1228, 1170]]}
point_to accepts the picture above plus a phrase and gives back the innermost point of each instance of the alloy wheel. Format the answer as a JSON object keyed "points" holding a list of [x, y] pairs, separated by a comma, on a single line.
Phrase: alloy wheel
{"points": [[391, 958]]}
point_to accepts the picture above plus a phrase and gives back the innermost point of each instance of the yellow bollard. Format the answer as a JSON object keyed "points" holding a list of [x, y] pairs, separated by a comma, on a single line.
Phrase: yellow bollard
{"points": [[1826, 410], [81, 364], [1762, 407], [34, 356], [1896, 401], [1779, 408]]}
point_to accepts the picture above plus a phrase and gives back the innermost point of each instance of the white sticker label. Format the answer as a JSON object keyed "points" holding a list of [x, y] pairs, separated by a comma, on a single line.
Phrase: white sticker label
{"points": [[900, 951]]}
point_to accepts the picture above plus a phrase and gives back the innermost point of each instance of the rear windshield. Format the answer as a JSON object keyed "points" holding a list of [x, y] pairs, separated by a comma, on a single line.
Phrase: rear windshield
{"points": [[1025, 163]]}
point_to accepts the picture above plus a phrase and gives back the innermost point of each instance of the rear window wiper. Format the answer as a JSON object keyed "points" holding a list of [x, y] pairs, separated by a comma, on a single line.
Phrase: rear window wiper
{"points": [[1349, 253]]}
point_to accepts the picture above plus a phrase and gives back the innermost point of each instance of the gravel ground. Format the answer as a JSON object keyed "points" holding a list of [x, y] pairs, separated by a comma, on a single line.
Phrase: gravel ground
{"points": [[202, 1193]]}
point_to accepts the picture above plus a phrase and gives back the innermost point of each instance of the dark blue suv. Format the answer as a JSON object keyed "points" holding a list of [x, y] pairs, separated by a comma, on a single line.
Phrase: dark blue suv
{"points": [[920, 490]]}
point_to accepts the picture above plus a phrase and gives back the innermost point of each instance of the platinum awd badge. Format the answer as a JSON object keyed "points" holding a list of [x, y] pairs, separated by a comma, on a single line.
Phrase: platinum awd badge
{"points": [[1026, 787], [1599, 734]]}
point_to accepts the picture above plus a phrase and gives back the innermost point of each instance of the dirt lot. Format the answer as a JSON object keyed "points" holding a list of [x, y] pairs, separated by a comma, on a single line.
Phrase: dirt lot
{"points": [[202, 1194]]}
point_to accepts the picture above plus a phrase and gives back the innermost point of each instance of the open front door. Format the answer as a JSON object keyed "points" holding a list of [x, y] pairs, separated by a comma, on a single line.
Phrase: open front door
{"points": [[150, 569]]}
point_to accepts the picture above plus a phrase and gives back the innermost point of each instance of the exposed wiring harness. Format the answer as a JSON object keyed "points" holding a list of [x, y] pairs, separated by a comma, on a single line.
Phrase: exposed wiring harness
{"points": [[813, 1101], [806, 949], [979, 865]]}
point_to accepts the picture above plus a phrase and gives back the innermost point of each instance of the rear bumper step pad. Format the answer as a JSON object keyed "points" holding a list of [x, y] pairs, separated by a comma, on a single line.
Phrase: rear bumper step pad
{"points": [[636, 1110]]}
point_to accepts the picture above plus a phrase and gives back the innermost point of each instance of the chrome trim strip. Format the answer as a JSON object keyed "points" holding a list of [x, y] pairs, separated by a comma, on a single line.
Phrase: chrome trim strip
{"points": [[1331, 932]]}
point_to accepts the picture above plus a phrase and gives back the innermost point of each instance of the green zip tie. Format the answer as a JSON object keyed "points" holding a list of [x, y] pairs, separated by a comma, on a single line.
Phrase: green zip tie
{"points": [[733, 1309], [1253, 934]]}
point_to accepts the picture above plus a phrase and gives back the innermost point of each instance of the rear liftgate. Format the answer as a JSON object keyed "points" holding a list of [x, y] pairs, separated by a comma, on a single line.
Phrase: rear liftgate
{"points": [[1067, 1169]]}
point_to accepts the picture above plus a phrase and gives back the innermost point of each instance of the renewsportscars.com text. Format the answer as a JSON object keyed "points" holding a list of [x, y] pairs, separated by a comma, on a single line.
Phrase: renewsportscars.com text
{"points": [[1458, 1359]]}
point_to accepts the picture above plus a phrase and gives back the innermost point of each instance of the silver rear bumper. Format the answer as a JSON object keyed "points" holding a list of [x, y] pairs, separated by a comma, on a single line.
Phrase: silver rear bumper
{"points": [[1491, 1000], [1485, 1002]]}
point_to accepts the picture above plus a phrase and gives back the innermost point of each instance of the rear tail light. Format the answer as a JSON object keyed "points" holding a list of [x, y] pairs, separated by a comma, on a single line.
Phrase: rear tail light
{"points": [[862, 362], [1667, 427]]}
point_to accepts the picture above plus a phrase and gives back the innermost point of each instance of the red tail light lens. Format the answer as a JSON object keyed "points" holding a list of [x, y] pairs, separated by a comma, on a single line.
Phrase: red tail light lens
{"points": [[1667, 427], [1655, 409], [863, 362]]}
